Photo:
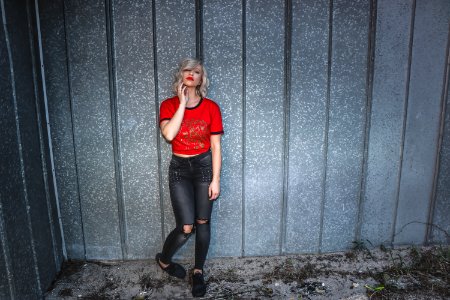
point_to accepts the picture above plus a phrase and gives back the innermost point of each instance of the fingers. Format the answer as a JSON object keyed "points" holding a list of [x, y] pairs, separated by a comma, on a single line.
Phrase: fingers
{"points": [[182, 91], [181, 88], [212, 193]]}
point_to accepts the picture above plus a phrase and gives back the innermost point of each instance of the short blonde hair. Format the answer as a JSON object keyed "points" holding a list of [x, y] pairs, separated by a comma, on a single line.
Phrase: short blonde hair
{"points": [[190, 63]]}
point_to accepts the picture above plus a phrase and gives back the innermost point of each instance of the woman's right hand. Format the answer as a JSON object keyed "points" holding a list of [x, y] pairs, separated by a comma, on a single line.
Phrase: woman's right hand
{"points": [[182, 93]]}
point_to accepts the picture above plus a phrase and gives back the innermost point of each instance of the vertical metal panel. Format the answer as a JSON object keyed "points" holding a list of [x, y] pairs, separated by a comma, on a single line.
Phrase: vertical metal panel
{"points": [[6, 280], [137, 120], [59, 252], [175, 34], [307, 126], [6, 291], [422, 124], [58, 95], [264, 127], [23, 266], [86, 30], [32, 141], [442, 204], [32, 173], [347, 122], [387, 116], [28, 261], [13, 196], [223, 59], [6, 152]]}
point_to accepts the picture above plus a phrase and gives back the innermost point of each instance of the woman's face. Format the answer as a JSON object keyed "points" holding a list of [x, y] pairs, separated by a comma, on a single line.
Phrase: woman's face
{"points": [[192, 77]]}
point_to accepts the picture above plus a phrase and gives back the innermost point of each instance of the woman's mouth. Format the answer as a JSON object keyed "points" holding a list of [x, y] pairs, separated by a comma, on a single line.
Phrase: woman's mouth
{"points": [[190, 78]]}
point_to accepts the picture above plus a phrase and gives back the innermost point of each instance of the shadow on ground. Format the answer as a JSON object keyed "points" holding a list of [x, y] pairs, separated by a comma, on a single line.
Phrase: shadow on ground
{"points": [[384, 273]]}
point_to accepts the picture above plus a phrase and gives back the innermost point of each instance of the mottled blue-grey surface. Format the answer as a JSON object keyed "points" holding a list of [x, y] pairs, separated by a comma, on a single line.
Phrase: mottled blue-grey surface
{"points": [[442, 204], [90, 96], [264, 126], [347, 121], [175, 37], [9, 175], [133, 41], [61, 126], [5, 277], [423, 120], [223, 60], [45, 153], [308, 113], [33, 176], [28, 261], [325, 139], [79, 100], [387, 117]]}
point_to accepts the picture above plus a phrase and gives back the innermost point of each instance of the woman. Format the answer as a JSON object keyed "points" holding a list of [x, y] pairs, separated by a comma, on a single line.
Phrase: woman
{"points": [[193, 125]]}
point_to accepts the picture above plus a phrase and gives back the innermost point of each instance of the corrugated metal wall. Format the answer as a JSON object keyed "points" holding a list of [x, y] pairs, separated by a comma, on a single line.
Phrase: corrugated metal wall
{"points": [[336, 116], [31, 250], [332, 112]]}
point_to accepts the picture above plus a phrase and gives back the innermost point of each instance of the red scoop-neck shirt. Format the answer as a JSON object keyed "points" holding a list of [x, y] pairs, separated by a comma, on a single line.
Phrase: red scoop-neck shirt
{"points": [[199, 123]]}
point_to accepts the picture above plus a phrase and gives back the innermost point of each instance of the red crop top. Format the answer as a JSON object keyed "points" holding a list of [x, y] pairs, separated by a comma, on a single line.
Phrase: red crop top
{"points": [[198, 124]]}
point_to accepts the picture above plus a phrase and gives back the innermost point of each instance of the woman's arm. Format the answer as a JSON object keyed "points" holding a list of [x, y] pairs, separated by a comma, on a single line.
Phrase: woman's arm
{"points": [[170, 128], [214, 186]]}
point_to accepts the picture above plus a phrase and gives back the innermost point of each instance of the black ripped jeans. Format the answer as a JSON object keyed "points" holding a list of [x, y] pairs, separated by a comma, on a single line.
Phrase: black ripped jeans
{"points": [[189, 180]]}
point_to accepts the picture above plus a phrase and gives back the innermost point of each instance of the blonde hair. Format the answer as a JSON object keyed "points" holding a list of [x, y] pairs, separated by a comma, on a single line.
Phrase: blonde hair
{"points": [[190, 63]]}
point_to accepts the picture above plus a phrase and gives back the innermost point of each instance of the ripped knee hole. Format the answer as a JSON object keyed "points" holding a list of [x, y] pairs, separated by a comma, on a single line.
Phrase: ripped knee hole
{"points": [[187, 229]]}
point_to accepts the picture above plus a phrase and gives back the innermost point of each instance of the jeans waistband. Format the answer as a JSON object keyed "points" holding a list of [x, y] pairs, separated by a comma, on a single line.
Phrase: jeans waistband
{"points": [[192, 158]]}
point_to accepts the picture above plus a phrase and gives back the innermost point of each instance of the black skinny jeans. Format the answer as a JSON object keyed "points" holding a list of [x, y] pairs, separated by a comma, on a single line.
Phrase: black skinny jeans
{"points": [[189, 180]]}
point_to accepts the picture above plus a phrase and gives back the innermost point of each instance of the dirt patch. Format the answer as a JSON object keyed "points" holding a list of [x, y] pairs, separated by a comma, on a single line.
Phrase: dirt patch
{"points": [[384, 273]]}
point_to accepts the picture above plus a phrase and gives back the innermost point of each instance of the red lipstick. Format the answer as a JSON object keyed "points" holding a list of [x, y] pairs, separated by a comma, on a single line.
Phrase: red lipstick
{"points": [[190, 78]]}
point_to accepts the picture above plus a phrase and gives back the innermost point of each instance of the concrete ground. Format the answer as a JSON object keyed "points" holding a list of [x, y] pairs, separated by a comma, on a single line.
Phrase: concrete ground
{"points": [[402, 273]]}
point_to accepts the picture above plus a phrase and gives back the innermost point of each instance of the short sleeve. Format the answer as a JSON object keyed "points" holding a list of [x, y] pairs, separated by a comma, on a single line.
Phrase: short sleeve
{"points": [[216, 120], [166, 110]]}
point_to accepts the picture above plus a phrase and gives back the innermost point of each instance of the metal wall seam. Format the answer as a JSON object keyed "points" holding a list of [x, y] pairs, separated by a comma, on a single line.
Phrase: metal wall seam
{"points": [[109, 18], [244, 112], [405, 117], [446, 82], [286, 132], [158, 139], [20, 149], [327, 122], [47, 122], [199, 29], [69, 85], [369, 92], [42, 149]]}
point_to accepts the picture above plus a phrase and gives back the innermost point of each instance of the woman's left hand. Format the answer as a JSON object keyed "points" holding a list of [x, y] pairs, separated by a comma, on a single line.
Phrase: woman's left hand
{"points": [[214, 190]]}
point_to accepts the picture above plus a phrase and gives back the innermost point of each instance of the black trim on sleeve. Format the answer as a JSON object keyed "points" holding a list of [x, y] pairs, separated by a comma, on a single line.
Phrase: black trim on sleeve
{"points": [[217, 132]]}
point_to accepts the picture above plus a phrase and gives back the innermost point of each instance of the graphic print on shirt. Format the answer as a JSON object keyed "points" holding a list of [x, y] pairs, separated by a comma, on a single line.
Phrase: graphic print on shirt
{"points": [[194, 133]]}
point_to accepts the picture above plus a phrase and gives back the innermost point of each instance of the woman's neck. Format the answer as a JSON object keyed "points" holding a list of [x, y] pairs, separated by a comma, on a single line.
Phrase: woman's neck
{"points": [[193, 97]]}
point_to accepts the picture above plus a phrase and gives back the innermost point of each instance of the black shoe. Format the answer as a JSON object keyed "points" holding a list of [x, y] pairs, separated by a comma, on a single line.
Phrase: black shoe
{"points": [[173, 269], [198, 285]]}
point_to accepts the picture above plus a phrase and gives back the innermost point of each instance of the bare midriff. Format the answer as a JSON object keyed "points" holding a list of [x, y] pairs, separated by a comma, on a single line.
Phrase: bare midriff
{"points": [[185, 155]]}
